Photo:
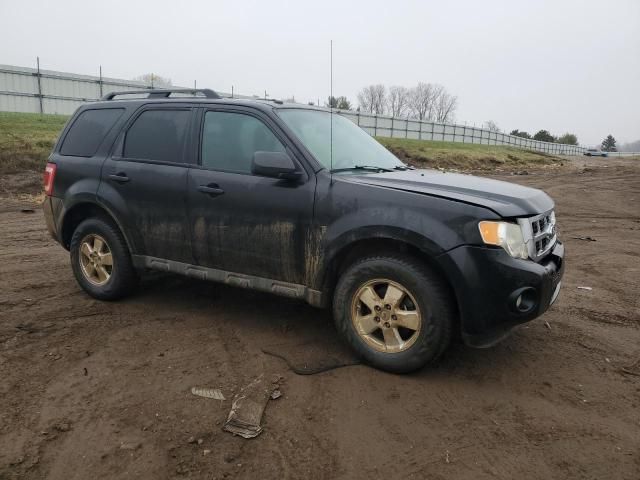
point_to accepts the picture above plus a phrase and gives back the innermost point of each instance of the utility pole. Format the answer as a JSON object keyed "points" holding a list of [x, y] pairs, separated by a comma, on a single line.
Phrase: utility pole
{"points": [[39, 85], [101, 81]]}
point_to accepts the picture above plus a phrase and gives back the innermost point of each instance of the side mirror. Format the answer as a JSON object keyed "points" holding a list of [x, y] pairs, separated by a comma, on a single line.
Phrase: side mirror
{"points": [[274, 165]]}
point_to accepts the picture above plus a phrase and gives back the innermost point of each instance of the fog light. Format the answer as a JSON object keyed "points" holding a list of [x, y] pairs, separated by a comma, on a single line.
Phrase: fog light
{"points": [[523, 300], [518, 302]]}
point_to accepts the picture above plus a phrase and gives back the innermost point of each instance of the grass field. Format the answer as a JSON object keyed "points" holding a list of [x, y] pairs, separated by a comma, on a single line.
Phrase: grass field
{"points": [[26, 140], [465, 156]]}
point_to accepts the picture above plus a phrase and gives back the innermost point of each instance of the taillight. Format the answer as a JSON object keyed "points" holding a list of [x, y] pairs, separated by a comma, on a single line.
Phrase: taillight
{"points": [[49, 176]]}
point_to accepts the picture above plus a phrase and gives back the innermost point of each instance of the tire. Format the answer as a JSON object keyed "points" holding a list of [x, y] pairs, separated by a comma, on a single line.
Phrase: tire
{"points": [[425, 292], [122, 277]]}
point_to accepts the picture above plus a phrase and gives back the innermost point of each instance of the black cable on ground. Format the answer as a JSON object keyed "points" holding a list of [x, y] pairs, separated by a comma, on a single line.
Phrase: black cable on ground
{"points": [[310, 370]]}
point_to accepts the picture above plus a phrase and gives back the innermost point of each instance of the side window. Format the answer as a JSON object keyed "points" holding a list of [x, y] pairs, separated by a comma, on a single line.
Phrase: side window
{"points": [[157, 135], [88, 131], [229, 141]]}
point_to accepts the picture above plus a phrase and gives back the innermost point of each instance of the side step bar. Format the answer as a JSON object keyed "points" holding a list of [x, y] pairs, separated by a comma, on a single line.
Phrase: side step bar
{"points": [[277, 287]]}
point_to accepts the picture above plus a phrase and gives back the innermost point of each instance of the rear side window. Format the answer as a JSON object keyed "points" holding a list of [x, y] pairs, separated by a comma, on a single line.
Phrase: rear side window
{"points": [[229, 141], [158, 135], [88, 131]]}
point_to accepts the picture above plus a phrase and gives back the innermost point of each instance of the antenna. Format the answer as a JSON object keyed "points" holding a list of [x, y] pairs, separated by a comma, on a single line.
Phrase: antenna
{"points": [[331, 115]]}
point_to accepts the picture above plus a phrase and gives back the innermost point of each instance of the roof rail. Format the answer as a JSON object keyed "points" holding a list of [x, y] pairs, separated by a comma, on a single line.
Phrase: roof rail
{"points": [[164, 93], [274, 100]]}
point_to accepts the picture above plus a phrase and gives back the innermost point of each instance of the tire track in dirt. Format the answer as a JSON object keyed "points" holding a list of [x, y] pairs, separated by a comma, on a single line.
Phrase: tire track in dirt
{"points": [[549, 402]]}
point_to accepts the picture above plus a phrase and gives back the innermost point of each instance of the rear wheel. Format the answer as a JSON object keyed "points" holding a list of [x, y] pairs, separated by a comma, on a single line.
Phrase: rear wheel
{"points": [[101, 261], [394, 312]]}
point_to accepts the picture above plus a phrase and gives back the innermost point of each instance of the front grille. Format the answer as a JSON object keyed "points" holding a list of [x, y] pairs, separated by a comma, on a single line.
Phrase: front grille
{"points": [[543, 233]]}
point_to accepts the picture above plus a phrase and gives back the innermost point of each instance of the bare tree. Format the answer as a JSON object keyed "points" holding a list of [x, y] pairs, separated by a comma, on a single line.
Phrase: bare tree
{"points": [[492, 126], [154, 80], [373, 99], [421, 100], [445, 106], [366, 99], [425, 101], [397, 101]]}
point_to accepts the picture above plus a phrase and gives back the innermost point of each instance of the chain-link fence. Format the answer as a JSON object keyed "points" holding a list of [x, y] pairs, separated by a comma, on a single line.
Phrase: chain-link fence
{"points": [[24, 89], [383, 126]]}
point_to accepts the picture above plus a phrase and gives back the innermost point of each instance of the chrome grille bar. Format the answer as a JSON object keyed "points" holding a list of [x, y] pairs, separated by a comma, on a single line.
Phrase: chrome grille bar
{"points": [[539, 233]]}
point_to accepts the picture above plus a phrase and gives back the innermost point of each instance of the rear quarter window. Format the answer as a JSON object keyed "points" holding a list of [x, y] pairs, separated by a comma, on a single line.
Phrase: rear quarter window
{"points": [[88, 130]]}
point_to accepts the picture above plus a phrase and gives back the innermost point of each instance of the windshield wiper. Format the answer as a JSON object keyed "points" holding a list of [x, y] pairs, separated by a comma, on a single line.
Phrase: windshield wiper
{"points": [[371, 168], [402, 167]]}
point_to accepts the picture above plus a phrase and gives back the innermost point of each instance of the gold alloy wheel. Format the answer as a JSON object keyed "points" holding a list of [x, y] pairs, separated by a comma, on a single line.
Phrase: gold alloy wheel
{"points": [[386, 316], [96, 261]]}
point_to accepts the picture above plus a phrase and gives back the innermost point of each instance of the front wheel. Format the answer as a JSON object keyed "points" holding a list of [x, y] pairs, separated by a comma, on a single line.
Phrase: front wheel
{"points": [[394, 312]]}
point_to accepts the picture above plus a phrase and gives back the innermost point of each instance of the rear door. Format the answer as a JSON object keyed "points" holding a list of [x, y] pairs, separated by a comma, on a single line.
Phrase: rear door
{"points": [[241, 222], [145, 180]]}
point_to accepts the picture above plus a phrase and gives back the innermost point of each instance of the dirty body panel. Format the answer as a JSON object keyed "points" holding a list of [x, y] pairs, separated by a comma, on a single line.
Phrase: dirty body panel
{"points": [[348, 211], [258, 226]]}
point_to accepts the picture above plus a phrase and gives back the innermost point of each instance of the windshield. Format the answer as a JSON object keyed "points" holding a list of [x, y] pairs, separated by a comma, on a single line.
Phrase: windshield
{"points": [[352, 146]]}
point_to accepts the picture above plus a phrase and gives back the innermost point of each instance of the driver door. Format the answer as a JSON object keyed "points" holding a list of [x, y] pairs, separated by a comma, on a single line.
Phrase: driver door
{"points": [[241, 222]]}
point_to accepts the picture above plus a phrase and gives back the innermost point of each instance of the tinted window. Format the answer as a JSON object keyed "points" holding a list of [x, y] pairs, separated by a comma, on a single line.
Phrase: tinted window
{"points": [[230, 139], [88, 131], [157, 135]]}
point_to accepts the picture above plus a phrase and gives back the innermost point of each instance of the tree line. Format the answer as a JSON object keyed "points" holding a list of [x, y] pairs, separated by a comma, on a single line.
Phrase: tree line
{"points": [[607, 145], [545, 136], [425, 101]]}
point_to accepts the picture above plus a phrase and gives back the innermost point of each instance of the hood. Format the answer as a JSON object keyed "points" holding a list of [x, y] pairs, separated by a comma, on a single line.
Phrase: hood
{"points": [[505, 198]]}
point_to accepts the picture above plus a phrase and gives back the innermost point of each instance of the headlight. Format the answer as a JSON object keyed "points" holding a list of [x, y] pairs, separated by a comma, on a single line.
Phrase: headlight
{"points": [[506, 235]]}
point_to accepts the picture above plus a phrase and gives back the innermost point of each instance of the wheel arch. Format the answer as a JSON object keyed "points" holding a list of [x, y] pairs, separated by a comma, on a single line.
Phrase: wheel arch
{"points": [[351, 252], [82, 211]]}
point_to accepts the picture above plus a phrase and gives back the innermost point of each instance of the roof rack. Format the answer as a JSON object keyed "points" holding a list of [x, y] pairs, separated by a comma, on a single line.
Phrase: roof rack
{"points": [[164, 93], [274, 100]]}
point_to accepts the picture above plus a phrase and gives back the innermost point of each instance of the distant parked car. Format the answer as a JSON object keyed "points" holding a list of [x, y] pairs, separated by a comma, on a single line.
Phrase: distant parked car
{"points": [[595, 152]]}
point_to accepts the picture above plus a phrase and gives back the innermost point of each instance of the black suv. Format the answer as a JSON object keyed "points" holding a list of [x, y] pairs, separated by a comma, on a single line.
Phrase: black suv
{"points": [[300, 202]]}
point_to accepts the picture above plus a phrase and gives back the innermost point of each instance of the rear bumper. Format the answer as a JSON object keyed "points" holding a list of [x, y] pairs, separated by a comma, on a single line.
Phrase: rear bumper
{"points": [[488, 284], [51, 208]]}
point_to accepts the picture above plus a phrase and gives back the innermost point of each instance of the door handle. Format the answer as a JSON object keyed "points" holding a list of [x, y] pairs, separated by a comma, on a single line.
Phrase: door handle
{"points": [[212, 189], [119, 177]]}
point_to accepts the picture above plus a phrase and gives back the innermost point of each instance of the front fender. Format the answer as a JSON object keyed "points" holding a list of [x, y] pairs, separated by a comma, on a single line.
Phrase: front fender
{"points": [[372, 232], [348, 212]]}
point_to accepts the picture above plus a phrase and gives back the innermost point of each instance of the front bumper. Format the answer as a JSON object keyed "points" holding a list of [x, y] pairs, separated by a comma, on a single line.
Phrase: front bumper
{"points": [[488, 283]]}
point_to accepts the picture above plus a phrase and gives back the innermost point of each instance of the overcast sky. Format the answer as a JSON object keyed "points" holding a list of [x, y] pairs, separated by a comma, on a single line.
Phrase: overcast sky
{"points": [[560, 65]]}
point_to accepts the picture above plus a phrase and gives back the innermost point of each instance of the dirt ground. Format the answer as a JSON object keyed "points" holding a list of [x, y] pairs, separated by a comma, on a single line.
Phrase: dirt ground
{"points": [[102, 390]]}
